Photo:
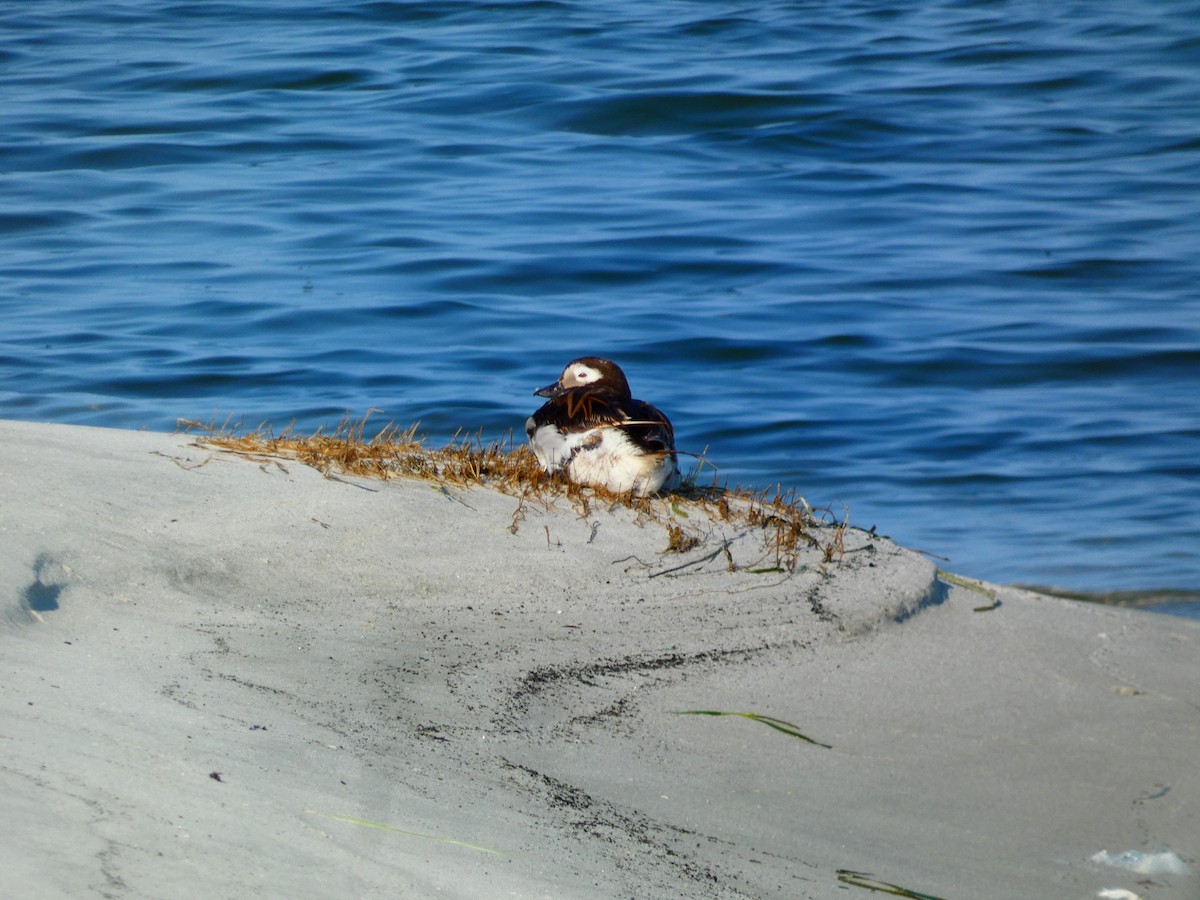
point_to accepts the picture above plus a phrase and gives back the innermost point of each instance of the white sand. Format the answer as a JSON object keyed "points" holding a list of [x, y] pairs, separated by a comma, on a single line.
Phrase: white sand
{"points": [[393, 654]]}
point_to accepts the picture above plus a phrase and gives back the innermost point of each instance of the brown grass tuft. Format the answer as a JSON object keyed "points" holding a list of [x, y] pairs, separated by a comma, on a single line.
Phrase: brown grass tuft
{"points": [[784, 518]]}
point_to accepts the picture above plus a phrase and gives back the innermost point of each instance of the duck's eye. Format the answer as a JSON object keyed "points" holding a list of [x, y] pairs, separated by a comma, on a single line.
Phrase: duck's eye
{"points": [[582, 375]]}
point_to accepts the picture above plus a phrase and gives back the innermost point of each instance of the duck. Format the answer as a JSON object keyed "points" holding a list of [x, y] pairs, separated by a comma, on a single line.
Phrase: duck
{"points": [[593, 431]]}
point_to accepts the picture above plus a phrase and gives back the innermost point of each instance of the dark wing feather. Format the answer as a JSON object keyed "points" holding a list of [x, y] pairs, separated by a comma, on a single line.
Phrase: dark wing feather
{"points": [[584, 408], [652, 429], [581, 409]]}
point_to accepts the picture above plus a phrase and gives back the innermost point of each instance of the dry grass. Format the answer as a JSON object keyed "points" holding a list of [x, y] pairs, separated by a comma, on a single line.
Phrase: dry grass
{"points": [[784, 520]]}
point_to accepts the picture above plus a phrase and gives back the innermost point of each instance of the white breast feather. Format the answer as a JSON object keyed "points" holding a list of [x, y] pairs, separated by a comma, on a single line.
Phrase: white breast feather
{"points": [[553, 448], [602, 456], [620, 465]]}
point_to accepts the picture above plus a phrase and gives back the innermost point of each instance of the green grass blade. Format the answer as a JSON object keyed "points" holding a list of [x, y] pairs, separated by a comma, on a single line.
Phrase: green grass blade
{"points": [[770, 721], [971, 585], [863, 880], [416, 834]]}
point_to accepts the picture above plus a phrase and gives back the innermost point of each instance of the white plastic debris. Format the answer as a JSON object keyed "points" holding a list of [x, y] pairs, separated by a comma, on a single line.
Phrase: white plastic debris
{"points": [[1118, 894], [1166, 863]]}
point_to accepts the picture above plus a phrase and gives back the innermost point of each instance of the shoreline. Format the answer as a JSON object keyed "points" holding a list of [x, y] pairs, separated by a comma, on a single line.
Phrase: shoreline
{"points": [[1164, 601], [240, 674]]}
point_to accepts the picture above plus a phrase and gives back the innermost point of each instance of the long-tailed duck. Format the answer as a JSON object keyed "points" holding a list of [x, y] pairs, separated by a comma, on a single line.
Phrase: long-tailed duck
{"points": [[593, 430]]}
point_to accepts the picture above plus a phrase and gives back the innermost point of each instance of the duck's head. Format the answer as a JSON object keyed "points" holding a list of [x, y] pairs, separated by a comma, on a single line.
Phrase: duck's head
{"points": [[592, 371]]}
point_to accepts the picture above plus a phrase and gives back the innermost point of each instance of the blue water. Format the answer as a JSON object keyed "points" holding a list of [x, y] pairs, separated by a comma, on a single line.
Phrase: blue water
{"points": [[939, 264]]}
